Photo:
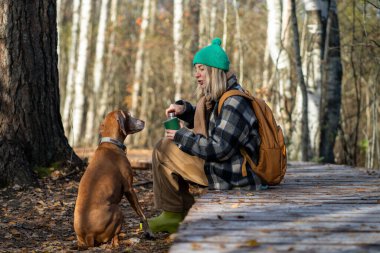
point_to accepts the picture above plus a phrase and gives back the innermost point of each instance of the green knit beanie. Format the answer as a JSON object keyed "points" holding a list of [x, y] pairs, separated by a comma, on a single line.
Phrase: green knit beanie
{"points": [[213, 56]]}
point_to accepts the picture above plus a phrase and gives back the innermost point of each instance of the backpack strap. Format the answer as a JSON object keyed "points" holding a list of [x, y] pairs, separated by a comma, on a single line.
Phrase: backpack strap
{"points": [[231, 93], [246, 158], [243, 152]]}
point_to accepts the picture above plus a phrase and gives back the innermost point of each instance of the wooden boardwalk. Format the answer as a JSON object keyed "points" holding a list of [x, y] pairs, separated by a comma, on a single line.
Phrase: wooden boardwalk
{"points": [[318, 208], [139, 158]]}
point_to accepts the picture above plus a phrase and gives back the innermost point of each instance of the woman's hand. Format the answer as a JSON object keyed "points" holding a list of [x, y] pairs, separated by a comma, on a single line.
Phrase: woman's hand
{"points": [[177, 109], [170, 134]]}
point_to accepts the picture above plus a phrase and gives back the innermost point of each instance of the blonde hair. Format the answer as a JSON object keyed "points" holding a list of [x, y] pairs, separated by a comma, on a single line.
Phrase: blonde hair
{"points": [[216, 83]]}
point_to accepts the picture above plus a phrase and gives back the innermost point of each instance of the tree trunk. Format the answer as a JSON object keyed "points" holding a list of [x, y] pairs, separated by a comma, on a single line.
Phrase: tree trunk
{"points": [[93, 118], [80, 74], [203, 18], [301, 82], [278, 44], [194, 9], [266, 68], [313, 72], [31, 131], [108, 90], [330, 108], [239, 42], [372, 114], [62, 52], [225, 25], [69, 97], [178, 48], [59, 24], [139, 58], [142, 137], [138, 77], [213, 17], [153, 10]]}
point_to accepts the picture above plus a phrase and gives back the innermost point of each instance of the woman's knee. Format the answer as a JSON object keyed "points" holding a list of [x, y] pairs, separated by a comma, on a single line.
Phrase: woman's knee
{"points": [[158, 153], [162, 147]]}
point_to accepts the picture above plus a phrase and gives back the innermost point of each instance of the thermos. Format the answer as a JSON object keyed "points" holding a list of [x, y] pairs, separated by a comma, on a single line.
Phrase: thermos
{"points": [[172, 122]]}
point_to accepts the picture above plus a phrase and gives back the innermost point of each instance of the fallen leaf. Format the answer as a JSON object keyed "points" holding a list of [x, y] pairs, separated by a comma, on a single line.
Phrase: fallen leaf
{"points": [[14, 232], [16, 187], [71, 238], [196, 246], [132, 241], [252, 243], [56, 174], [236, 205]]}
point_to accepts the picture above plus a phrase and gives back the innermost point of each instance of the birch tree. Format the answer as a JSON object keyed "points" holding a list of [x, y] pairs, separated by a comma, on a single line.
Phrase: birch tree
{"points": [[225, 24], [214, 5], [372, 124], [278, 44], [178, 48], [147, 104], [80, 72], [139, 58], [312, 70], [239, 42], [106, 88], [69, 98], [321, 63], [203, 16], [302, 86], [92, 116]]}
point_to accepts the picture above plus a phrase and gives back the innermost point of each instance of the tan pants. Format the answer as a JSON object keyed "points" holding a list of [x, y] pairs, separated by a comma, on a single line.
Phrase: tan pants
{"points": [[172, 168]]}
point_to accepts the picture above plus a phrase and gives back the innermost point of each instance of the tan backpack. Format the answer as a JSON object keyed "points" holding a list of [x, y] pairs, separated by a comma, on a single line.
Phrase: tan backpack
{"points": [[271, 165]]}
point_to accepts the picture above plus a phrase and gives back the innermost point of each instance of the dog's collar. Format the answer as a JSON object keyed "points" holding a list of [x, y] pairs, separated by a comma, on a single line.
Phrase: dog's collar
{"points": [[113, 141]]}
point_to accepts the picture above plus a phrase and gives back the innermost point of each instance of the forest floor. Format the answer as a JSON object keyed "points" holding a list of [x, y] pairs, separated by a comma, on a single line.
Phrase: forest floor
{"points": [[40, 219]]}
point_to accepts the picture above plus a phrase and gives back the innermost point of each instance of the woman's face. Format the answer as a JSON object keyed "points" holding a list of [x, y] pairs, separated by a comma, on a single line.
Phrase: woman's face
{"points": [[201, 75]]}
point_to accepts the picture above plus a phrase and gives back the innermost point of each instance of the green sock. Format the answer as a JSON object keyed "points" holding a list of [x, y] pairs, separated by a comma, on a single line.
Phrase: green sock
{"points": [[166, 222]]}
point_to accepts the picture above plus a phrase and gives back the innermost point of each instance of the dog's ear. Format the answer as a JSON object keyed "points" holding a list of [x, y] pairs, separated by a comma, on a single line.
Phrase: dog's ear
{"points": [[122, 119]]}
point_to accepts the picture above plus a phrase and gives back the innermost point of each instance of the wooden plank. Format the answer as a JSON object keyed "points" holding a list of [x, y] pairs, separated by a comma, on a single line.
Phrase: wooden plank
{"points": [[228, 247], [284, 226], [318, 208], [290, 218], [288, 208], [279, 237]]}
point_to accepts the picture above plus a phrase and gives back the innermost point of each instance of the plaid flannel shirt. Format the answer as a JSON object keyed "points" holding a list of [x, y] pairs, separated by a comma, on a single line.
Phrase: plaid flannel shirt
{"points": [[235, 127]]}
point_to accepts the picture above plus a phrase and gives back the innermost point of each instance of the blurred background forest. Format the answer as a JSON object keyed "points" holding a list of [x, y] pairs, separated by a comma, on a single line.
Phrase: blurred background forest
{"points": [[138, 55]]}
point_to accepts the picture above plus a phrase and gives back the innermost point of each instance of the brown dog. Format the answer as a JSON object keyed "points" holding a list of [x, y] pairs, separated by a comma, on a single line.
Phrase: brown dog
{"points": [[97, 215]]}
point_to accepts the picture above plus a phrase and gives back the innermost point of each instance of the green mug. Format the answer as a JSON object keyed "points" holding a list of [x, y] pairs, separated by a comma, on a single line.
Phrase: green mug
{"points": [[172, 123]]}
